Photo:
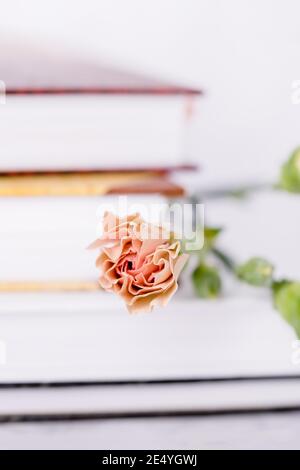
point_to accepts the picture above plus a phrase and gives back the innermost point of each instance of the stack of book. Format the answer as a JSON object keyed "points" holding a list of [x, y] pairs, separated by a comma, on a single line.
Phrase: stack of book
{"points": [[71, 133]]}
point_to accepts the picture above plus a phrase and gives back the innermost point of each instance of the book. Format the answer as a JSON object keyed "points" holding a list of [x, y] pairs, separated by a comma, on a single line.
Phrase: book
{"points": [[89, 183], [90, 338], [65, 113], [52, 402], [46, 238], [39, 69]]}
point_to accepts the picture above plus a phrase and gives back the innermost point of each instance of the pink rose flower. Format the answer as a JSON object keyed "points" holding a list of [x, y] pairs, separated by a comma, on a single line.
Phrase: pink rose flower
{"points": [[138, 262]]}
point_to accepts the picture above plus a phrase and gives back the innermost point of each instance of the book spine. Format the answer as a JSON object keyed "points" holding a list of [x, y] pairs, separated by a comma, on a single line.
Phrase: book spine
{"points": [[49, 286]]}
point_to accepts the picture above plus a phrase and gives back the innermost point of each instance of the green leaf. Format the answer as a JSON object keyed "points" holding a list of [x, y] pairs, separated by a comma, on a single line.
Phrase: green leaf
{"points": [[277, 285], [207, 282], [287, 302], [256, 271], [210, 235], [290, 173]]}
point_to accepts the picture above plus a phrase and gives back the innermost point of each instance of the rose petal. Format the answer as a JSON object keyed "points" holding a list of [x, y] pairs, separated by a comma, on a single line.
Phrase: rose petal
{"points": [[142, 270]]}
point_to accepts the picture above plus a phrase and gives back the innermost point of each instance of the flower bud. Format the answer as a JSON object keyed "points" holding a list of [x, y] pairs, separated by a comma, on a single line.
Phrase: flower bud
{"points": [[257, 272]]}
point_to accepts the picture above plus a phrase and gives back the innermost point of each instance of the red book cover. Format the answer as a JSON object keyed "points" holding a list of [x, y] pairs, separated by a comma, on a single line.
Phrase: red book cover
{"points": [[30, 70]]}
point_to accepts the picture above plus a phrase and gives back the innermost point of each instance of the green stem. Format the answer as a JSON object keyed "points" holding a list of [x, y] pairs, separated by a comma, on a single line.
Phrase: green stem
{"points": [[238, 192], [225, 259]]}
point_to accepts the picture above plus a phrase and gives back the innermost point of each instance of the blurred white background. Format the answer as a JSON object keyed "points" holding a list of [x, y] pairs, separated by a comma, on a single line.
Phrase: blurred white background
{"points": [[243, 53]]}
